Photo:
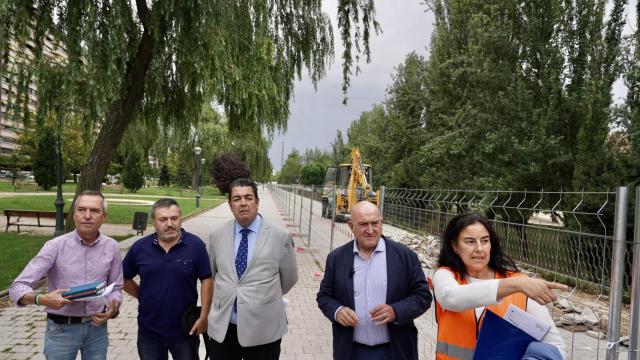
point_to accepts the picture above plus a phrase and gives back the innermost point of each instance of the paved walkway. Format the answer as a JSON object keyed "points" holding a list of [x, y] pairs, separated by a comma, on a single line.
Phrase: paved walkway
{"points": [[309, 337]]}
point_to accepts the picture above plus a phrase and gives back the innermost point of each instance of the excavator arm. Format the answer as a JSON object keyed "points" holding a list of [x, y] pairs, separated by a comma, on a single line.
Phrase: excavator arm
{"points": [[359, 188]]}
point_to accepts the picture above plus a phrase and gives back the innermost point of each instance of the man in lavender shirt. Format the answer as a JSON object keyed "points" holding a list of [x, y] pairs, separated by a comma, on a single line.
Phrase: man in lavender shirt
{"points": [[79, 257]]}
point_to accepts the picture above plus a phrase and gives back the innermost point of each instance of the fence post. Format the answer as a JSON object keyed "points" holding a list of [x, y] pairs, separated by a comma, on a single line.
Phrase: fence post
{"points": [[381, 205], [301, 202], [310, 215], [288, 200], [333, 216], [617, 272], [293, 218], [634, 323]]}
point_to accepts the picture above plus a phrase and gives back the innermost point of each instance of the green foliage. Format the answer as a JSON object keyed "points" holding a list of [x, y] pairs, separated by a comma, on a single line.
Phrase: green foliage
{"points": [[312, 174], [133, 171], [513, 96], [182, 178], [290, 173], [159, 62], [317, 156], [630, 112], [165, 178], [44, 162], [339, 150], [75, 146], [14, 164], [213, 136], [226, 168]]}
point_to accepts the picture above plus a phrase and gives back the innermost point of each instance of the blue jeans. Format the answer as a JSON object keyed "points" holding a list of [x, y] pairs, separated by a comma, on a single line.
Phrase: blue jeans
{"points": [[150, 348], [541, 351], [63, 341]]}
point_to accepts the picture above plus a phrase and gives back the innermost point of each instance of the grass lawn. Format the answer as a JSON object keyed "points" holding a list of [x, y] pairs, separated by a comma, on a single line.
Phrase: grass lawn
{"points": [[209, 191], [118, 213], [17, 250]]}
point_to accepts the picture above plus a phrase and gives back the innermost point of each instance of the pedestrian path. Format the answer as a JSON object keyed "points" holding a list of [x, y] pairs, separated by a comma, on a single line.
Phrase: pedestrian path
{"points": [[309, 336]]}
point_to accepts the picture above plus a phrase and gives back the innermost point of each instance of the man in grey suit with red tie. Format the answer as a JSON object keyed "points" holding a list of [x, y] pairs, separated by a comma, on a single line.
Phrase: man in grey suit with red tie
{"points": [[253, 264]]}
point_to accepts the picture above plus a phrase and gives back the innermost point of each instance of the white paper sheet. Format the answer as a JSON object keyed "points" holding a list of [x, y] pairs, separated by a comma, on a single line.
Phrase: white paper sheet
{"points": [[527, 322]]}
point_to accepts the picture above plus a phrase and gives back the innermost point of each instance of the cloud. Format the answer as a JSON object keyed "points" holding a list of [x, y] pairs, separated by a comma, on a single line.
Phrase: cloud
{"points": [[316, 115]]}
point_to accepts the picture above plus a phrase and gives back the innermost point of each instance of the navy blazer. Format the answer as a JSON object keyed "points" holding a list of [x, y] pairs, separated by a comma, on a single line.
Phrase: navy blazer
{"points": [[407, 293]]}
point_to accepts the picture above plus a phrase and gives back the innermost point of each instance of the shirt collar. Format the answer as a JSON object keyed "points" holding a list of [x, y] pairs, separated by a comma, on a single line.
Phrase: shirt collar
{"points": [[83, 242], [381, 247], [157, 242], [254, 226]]}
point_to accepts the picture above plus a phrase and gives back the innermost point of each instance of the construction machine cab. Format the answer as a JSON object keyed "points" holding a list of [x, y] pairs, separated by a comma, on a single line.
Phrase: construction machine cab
{"points": [[352, 183]]}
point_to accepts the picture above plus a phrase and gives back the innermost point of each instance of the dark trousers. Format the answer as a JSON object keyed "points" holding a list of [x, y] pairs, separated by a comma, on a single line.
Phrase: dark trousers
{"points": [[230, 348], [365, 352], [153, 349]]}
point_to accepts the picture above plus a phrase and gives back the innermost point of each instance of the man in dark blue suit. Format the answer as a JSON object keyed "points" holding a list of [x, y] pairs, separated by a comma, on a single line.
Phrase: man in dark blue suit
{"points": [[373, 288]]}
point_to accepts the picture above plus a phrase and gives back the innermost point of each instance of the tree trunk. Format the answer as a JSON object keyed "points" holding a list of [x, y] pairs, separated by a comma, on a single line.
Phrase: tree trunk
{"points": [[118, 118]]}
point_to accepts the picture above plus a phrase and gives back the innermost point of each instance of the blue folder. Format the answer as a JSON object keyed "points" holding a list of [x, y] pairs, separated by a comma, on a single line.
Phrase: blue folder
{"points": [[500, 339], [84, 290]]}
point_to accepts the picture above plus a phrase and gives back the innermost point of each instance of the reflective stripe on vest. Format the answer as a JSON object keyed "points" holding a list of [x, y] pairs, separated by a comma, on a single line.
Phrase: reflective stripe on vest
{"points": [[453, 351], [458, 330]]}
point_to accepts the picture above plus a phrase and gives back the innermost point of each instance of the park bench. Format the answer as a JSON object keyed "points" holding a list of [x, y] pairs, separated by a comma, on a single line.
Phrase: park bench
{"points": [[38, 214], [29, 186], [111, 188]]}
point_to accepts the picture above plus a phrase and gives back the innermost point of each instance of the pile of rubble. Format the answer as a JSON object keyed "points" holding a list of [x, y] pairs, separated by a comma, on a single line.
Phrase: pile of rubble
{"points": [[567, 314], [426, 246], [593, 321]]}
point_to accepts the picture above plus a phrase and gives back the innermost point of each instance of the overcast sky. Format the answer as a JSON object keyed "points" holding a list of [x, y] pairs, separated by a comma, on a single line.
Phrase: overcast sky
{"points": [[317, 115]]}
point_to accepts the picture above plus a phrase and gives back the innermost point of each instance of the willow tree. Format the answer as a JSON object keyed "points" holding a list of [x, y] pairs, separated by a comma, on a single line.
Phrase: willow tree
{"points": [[162, 60]]}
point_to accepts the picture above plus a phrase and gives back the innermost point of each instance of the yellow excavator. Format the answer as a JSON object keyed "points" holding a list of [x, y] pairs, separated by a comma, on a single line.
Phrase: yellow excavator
{"points": [[353, 183]]}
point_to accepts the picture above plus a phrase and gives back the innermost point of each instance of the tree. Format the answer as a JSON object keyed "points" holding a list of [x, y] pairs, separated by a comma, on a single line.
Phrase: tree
{"points": [[183, 179], [74, 146], [312, 174], [290, 173], [133, 171], [370, 133], [631, 113], [226, 168], [339, 150], [163, 60], [164, 179], [213, 136], [16, 163], [599, 40], [317, 156], [44, 163]]}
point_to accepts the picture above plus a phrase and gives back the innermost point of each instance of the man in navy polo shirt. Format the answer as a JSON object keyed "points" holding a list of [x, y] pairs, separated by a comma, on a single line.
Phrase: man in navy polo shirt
{"points": [[168, 262]]}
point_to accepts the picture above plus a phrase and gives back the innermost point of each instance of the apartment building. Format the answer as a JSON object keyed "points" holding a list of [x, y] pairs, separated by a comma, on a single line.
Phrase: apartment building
{"points": [[10, 126]]}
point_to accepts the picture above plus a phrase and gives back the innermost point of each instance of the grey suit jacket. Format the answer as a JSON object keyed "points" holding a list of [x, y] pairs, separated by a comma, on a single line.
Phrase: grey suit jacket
{"points": [[272, 271]]}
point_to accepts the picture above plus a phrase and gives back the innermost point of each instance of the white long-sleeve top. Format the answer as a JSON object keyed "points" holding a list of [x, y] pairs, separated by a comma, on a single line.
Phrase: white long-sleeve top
{"points": [[479, 293]]}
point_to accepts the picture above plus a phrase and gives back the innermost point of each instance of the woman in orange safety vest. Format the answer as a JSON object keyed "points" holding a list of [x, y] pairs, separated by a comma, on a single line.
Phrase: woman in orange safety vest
{"points": [[474, 276]]}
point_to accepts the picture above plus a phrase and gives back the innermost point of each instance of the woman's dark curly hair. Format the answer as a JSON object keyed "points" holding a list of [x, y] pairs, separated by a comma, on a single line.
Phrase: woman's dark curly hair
{"points": [[498, 262]]}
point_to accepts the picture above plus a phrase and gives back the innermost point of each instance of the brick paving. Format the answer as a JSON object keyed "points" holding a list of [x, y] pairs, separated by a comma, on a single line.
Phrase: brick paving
{"points": [[309, 336]]}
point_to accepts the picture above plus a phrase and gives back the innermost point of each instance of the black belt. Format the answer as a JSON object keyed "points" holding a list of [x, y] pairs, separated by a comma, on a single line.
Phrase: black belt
{"points": [[371, 346], [62, 319]]}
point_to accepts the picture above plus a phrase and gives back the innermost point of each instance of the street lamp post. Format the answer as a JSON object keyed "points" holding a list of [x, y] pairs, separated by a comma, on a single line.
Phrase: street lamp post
{"points": [[202, 177], [59, 203], [197, 150]]}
